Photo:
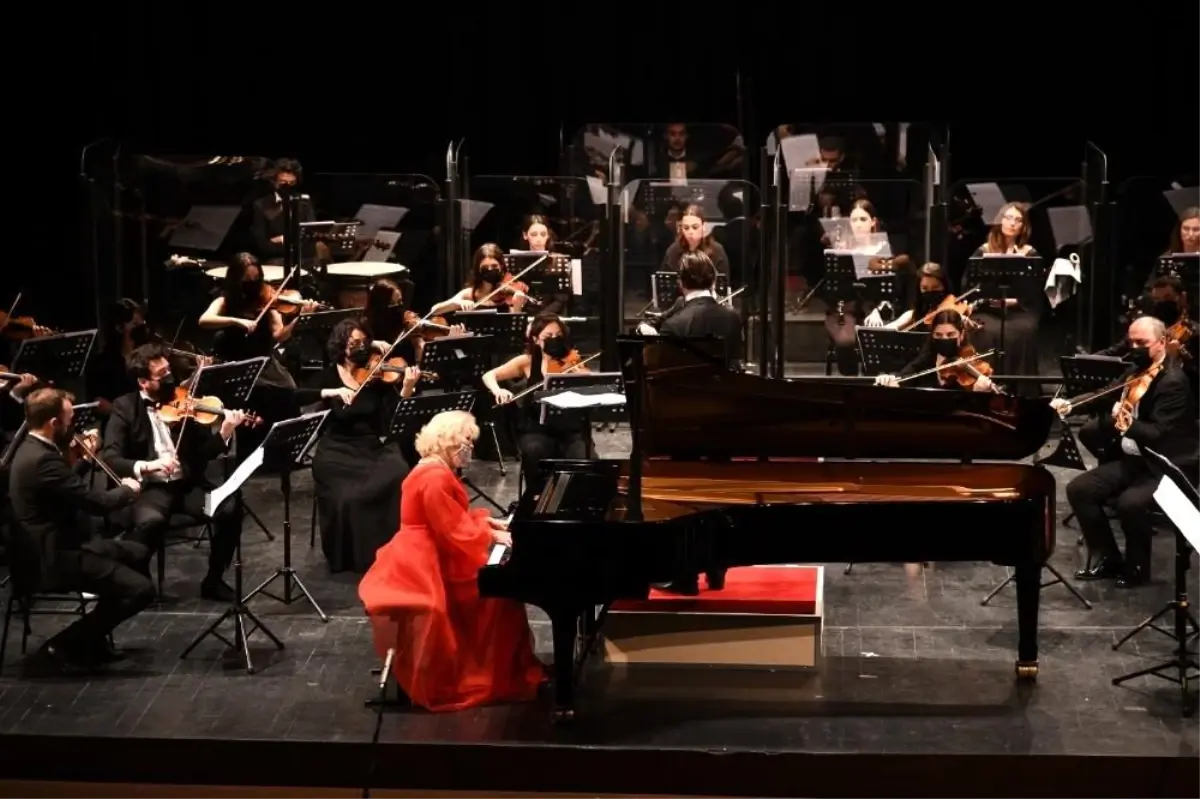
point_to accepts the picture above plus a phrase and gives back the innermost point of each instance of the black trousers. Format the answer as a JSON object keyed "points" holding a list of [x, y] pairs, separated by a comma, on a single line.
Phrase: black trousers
{"points": [[1131, 483], [115, 571], [1100, 441], [540, 444], [158, 501]]}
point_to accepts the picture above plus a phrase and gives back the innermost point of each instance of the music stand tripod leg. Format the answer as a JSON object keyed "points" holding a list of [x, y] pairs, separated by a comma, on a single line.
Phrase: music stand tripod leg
{"points": [[286, 572], [481, 494], [238, 613], [1058, 580]]}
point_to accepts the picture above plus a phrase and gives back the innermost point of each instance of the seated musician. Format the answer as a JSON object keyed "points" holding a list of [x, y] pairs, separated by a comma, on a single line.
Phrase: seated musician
{"points": [[453, 649], [932, 288], [1010, 236], [538, 237], [1162, 419], [691, 237], [945, 343], [383, 320], [107, 375], [547, 351], [487, 274], [356, 476], [170, 464], [841, 320], [1168, 302], [697, 313], [54, 543], [1185, 237], [267, 224]]}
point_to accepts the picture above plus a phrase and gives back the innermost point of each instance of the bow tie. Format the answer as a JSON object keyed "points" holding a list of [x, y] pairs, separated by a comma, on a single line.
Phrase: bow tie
{"points": [[149, 403]]}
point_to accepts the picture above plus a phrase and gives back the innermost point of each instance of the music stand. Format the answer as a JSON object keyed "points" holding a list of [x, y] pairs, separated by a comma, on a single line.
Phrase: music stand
{"points": [[841, 277], [585, 383], [458, 360], [1174, 495], [507, 329], [880, 287], [320, 324], [87, 416], [664, 288], [237, 611], [1185, 266], [56, 358], [413, 413], [285, 446], [552, 276], [886, 351], [1082, 374], [1001, 277]]}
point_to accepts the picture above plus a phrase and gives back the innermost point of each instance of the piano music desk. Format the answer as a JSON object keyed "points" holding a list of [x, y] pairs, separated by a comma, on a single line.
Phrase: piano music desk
{"points": [[766, 617]]}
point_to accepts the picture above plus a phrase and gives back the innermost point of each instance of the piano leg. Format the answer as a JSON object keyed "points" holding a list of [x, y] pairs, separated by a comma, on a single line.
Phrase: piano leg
{"points": [[1028, 578], [564, 625]]}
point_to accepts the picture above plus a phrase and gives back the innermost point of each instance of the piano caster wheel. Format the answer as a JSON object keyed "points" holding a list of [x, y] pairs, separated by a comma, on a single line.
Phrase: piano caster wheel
{"points": [[1027, 672]]}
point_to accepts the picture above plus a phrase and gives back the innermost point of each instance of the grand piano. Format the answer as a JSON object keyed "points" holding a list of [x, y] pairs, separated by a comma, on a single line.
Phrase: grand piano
{"points": [[722, 474]]}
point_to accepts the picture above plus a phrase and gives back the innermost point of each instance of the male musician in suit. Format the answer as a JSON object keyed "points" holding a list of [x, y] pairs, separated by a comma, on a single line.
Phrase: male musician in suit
{"points": [[702, 316], [54, 544], [267, 225], [170, 464], [1163, 420]]}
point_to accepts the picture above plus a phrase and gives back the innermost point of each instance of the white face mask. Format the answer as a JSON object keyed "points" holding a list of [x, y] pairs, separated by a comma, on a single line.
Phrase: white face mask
{"points": [[463, 456]]}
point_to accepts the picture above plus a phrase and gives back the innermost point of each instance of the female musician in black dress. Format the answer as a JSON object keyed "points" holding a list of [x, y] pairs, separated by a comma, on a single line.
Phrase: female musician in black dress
{"points": [[1019, 313], [357, 478], [487, 273], [945, 344], [383, 321], [1185, 237], [691, 236], [547, 349], [932, 288]]}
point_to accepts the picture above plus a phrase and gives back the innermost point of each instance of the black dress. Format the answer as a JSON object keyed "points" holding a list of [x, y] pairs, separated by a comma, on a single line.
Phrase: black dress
{"points": [[356, 476], [565, 437], [1020, 332]]}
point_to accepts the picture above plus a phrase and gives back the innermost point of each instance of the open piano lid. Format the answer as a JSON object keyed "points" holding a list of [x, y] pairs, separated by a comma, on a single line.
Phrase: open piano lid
{"points": [[684, 404]]}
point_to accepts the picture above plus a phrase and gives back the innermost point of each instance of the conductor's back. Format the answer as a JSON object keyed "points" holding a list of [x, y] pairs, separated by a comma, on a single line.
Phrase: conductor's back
{"points": [[701, 315]]}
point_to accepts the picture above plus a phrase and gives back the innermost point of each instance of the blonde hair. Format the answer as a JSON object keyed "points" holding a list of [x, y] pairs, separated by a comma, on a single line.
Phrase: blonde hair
{"points": [[447, 431]]}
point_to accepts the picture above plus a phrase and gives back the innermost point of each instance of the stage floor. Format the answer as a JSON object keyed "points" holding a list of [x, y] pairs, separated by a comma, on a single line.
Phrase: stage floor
{"points": [[915, 669]]}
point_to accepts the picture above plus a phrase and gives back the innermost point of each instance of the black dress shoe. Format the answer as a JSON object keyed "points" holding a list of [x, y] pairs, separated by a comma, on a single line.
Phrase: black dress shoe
{"points": [[66, 662], [104, 653], [216, 590], [1105, 568], [681, 587], [1133, 577]]}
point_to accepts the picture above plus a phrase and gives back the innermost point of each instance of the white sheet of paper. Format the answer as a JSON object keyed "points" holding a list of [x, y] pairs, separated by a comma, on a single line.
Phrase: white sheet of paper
{"points": [[597, 189], [375, 217], [577, 276], [678, 173], [989, 198], [574, 400], [1179, 509], [1070, 225], [800, 152], [637, 153], [214, 498]]}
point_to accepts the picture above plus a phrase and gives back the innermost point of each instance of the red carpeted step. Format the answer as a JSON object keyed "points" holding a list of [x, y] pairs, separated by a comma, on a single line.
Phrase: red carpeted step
{"points": [[765, 590]]}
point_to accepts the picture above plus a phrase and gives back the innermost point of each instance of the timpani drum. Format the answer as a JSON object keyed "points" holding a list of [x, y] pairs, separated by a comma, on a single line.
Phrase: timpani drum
{"points": [[353, 280], [271, 274]]}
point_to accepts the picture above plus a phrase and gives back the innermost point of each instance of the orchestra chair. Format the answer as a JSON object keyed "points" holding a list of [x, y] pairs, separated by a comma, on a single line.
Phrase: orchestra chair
{"points": [[25, 595]]}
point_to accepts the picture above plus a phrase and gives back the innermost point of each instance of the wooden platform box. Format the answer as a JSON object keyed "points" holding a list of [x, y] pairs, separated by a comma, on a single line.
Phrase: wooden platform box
{"points": [[766, 617]]}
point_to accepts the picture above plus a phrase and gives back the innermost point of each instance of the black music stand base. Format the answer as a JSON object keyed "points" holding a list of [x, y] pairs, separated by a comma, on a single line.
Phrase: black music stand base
{"points": [[1182, 668], [238, 613], [1058, 580], [480, 494], [291, 581]]}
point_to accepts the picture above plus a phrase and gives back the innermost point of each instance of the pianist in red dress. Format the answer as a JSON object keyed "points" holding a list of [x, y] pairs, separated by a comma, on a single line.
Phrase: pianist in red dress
{"points": [[454, 649]]}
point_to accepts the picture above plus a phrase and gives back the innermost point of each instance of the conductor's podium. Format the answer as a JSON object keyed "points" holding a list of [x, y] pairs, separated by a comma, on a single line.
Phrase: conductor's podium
{"points": [[765, 617]]}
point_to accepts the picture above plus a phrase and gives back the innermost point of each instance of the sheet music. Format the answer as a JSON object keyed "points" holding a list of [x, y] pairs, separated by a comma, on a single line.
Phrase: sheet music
{"points": [[214, 498], [577, 276], [1179, 509], [574, 400]]}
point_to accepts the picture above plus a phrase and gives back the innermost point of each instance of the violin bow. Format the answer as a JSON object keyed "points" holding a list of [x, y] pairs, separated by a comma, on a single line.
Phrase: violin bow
{"points": [[949, 365], [11, 309], [513, 279], [567, 371], [275, 296], [383, 358]]}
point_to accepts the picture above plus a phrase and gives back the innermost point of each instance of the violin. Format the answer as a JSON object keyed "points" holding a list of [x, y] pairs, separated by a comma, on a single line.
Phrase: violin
{"points": [[204, 411], [290, 302], [1178, 335], [1135, 389], [390, 371], [19, 328], [573, 362], [80, 449], [426, 329], [965, 372]]}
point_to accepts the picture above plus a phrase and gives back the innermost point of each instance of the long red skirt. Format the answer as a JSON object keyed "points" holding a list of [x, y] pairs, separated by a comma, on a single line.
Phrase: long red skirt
{"points": [[454, 649]]}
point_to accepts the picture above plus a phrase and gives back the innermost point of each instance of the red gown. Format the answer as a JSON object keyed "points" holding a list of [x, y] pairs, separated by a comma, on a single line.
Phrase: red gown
{"points": [[454, 648]]}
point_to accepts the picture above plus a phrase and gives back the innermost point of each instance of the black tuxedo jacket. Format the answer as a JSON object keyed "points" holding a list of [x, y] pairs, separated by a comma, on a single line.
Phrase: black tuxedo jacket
{"points": [[129, 438], [702, 317], [1166, 418], [51, 505], [268, 223]]}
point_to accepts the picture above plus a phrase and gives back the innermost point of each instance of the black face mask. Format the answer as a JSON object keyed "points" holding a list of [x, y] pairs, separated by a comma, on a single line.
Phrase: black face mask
{"points": [[555, 347], [252, 288], [1139, 357], [359, 356], [946, 347], [1166, 311], [490, 276], [166, 388], [139, 334], [930, 300]]}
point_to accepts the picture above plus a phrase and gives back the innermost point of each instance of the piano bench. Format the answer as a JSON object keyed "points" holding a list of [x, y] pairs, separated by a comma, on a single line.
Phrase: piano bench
{"points": [[766, 617]]}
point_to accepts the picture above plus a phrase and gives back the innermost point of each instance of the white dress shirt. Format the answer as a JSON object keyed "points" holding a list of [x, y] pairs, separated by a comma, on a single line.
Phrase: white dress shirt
{"points": [[164, 449]]}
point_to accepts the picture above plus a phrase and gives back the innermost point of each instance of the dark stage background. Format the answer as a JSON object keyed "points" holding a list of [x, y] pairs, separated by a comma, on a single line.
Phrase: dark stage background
{"points": [[386, 88]]}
